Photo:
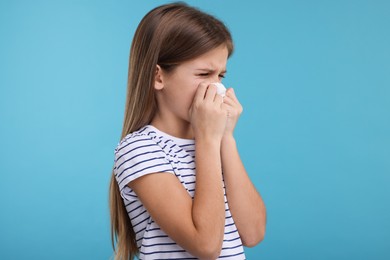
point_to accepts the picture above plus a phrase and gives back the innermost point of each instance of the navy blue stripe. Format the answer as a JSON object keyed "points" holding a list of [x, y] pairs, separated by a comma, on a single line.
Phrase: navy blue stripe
{"points": [[134, 209], [153, 166], [161, 171], [227, 233], [140, 231], [138, 147], [187, 168], [156, 151], [164, 252], [152, 132], [142, 129], [184, 145], [131, 202], [187, 175], [159, 244], [138, 133], [181, 258], [140, 222], [153, 229], [172, 161], [131, 195], [181, 157], [156, 237], [139, 214], [230, 240], [231, 247], [231, 255], [137, 140], [135, 164], [228, 225]]}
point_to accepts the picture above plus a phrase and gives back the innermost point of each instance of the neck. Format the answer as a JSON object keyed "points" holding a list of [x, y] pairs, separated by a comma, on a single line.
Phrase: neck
{"points": [[173, 126]]}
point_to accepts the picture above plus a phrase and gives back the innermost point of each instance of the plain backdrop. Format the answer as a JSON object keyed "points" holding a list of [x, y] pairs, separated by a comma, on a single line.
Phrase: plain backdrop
{"points": [[313, 78]]}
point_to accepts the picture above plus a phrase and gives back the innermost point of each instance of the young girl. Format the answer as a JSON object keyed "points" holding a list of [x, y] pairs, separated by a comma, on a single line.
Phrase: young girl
{"points": [[179, 189]]}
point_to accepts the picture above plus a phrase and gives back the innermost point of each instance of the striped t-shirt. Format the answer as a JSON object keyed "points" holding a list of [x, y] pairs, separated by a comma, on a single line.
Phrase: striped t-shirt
{"points": [[149, 150]]}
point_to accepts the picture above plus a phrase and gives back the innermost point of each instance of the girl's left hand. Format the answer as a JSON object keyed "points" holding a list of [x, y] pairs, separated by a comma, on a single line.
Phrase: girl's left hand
{"points": [[234, 110]]}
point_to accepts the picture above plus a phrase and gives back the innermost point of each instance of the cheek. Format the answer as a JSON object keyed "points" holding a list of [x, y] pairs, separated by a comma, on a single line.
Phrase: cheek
{"points": [[185, 91], [193, 90], [189, 98]]}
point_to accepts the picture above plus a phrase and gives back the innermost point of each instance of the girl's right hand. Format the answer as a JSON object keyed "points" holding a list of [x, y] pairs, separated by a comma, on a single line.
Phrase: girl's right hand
{"points": [[207, 116]]}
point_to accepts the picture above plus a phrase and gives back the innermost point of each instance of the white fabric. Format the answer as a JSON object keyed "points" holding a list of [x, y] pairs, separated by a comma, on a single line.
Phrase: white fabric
{"points": [[221, 90]]}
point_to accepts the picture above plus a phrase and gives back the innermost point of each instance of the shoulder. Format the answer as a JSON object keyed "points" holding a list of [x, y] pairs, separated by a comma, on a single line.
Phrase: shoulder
{"points": [[142, 133], [137, 154], [137, 140]]}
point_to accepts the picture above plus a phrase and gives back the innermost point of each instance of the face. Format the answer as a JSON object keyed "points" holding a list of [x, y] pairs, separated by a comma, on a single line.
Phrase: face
{"points": [[177, 89]]}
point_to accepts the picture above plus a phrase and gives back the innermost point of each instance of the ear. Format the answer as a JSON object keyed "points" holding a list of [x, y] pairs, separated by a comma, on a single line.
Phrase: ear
{"points": [[158, 79]]}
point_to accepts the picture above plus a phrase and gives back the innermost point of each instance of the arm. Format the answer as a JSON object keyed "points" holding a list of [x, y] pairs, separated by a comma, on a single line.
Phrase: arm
{"points": [[196, 225], [245, 203]]}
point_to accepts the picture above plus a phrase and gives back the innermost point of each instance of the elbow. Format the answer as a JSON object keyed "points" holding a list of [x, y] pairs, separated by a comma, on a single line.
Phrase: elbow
{"points": [[254, 235], [254, 238], [208, 255], [209, 250]]}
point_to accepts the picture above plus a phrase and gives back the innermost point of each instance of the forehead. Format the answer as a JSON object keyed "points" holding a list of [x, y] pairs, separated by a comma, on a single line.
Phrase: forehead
{"points": [[214, 59]]}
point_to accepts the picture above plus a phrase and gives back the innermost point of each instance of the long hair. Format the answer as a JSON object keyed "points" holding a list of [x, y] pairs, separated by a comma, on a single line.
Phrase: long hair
{"points": [[167, 36]]}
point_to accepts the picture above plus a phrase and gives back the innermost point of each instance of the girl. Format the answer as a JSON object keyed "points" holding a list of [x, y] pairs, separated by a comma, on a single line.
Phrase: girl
{"points": [[179, 189]]}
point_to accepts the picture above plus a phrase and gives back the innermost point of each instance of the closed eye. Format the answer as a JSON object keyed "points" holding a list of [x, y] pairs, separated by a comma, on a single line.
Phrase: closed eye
{"points": [[207, 74]]}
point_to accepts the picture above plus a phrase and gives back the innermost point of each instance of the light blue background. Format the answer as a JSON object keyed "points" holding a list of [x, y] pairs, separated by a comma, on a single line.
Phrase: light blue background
{"points": [[313, 78]]}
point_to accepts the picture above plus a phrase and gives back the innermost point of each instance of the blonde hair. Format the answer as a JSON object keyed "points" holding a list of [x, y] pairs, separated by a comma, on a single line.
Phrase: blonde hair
{"points": [[167, 36]]}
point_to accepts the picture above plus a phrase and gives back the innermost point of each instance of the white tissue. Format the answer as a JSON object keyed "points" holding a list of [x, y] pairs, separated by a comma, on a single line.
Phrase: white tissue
{"points": [[221, 90]]}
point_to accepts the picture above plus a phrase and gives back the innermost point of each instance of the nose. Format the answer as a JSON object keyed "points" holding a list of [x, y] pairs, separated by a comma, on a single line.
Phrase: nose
{"points": [[216, 79]]}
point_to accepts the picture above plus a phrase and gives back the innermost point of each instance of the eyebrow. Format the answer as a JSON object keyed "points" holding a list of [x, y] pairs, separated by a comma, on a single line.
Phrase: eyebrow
{"points": [[211, 70]]}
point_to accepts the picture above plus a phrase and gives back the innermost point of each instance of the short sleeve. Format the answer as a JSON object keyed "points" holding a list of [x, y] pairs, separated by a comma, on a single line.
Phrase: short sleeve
{"points": [[136, 156]]}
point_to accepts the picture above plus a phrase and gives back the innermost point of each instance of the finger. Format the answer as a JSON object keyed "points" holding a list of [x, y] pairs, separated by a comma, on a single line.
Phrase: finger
{"points": [[230, 93], [200, 92], [228, 100], [198, 97], [218, 99], [210, 93], [226, 108]]}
